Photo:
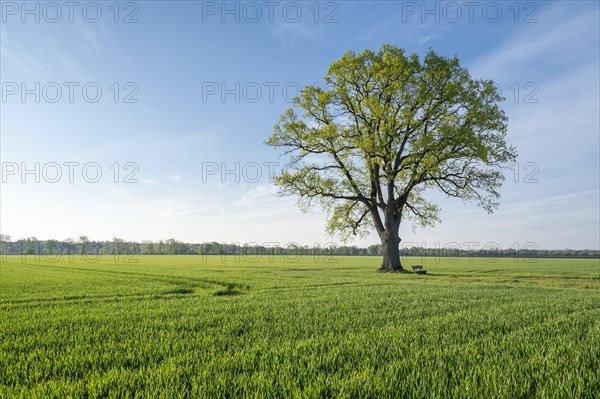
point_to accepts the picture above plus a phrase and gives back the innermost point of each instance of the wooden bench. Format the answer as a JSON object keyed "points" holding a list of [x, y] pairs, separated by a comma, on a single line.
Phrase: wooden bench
{"points": [[419, 269]]}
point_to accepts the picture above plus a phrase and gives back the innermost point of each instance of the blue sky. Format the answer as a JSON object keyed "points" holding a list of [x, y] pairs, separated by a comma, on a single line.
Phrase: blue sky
{"points": [[208, 81]]}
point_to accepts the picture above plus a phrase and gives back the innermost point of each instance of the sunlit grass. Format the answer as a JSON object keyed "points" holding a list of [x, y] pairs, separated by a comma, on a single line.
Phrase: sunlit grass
{"points": [[192, 326]]}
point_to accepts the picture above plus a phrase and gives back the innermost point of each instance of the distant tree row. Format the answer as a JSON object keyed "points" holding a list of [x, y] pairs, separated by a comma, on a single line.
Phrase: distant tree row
{"points": [[85, 246]]}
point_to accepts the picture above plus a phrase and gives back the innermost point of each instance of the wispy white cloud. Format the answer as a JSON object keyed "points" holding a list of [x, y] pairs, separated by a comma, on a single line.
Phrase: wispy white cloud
{"points": [[256, 196], [20, 57], [374, 30], [534, 45], [90, 35], [426, 39], [532, 204], [287, 32]]}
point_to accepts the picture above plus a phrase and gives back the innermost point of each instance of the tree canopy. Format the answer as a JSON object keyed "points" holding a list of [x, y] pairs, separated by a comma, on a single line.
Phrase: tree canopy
{"points": [[385, 128]]}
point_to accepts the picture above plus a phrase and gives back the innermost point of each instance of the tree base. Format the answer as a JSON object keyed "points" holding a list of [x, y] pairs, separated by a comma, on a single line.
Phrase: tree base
{"points": [[389, 270]]}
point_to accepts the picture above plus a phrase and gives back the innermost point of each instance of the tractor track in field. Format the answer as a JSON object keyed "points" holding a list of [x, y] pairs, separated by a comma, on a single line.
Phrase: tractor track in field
{"points": [[178, 281], [36, 302], [158, 277]]}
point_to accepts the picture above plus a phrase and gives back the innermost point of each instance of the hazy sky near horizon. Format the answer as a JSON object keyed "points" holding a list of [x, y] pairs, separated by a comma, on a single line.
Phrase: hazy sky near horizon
{"points": [[146, 119]]}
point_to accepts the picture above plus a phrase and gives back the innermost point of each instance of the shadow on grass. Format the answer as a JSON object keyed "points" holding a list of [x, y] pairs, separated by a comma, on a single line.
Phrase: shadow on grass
{"points": [[403, 271], [228, 292], [230, 289], [180, 291]]}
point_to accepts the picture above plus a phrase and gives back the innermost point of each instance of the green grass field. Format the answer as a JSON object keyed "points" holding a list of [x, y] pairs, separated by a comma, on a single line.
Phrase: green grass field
{"points": [[192, 326]]}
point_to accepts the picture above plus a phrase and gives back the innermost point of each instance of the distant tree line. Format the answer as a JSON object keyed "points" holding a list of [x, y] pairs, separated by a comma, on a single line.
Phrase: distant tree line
{"points": [[85, 246]]}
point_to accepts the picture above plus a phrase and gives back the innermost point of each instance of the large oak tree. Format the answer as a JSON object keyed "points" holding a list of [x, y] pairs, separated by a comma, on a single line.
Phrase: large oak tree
{"points": [[384, 129]]}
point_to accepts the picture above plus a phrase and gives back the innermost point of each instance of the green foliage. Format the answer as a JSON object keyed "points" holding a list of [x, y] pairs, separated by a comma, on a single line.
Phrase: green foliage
{"points": [[309, 329], [383, 130]]}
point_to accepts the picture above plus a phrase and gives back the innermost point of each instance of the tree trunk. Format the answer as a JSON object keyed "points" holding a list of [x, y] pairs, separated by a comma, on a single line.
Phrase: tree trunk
{"points": [[390, 244]]}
